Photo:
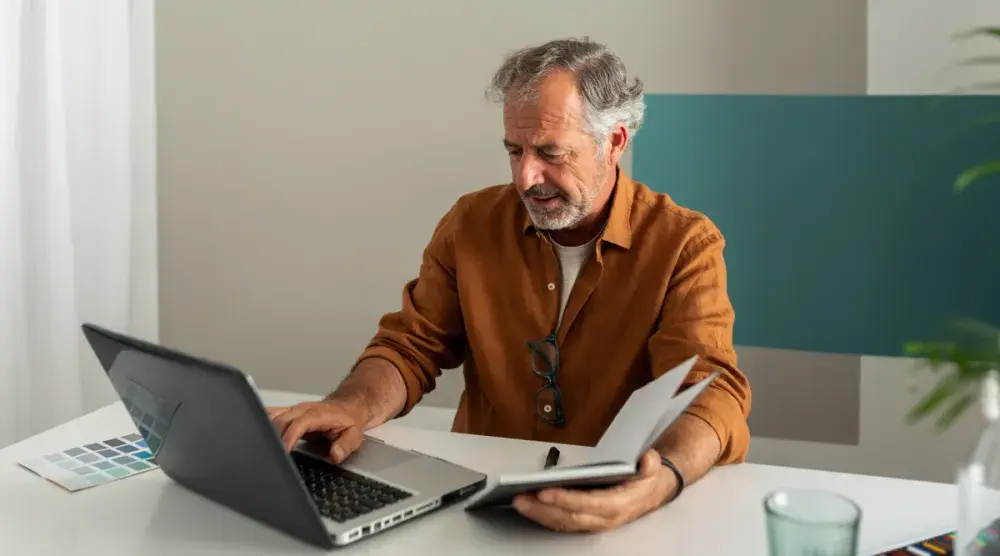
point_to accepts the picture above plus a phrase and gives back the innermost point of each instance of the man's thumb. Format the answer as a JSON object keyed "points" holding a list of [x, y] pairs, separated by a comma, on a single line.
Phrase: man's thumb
{"points": [[346, 442], [650, 463]]}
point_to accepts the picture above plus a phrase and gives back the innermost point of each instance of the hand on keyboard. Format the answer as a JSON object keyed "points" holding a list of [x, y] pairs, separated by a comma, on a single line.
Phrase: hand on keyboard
{"points": [[333, 419]]}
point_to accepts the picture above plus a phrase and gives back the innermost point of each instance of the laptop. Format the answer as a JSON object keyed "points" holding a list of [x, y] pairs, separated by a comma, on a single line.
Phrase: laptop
{"points": [[209, 432]]}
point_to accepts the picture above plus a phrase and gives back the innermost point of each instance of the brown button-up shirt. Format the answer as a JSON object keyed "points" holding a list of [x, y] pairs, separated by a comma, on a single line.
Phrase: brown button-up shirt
{"points": [[652, 295]]}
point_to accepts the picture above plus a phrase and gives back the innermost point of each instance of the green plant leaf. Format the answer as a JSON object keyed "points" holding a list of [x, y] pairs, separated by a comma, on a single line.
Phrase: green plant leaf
{"points": [[943, 390], [982, 330], [975, 173], [960, 369], [935, 354], [957, 408], [987, 31]]}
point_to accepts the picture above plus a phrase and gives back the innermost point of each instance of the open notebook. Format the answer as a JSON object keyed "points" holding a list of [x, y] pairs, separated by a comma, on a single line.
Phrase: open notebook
{"points": [[639, 423]]}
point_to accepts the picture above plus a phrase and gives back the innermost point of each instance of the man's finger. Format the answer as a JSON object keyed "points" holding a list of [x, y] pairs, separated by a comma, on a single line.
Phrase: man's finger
{"points": [[650, 464], [320, 419], [346, 443], [601, 502], [310, 421], [609, 502], [558, 519], [283, 420], [273, 412]]}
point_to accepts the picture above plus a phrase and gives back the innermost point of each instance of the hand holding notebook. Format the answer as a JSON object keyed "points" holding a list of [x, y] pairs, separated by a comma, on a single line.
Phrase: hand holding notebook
{"points": [[646, 415]]}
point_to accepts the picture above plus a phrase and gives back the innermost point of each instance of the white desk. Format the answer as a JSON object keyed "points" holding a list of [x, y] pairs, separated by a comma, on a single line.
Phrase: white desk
{"points": [[148, 514]]}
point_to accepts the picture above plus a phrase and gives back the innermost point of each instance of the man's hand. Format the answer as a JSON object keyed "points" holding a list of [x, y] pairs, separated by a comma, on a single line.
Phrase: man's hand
{"points": [[601, 509], [337, 421], [372, 393]]}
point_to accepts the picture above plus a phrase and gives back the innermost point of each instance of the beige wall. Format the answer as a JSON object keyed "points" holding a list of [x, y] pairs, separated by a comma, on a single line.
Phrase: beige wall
{"points": [[913, 47], [307, 148]]}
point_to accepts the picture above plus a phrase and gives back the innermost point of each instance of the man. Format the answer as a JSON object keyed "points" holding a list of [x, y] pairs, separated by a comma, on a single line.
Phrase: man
{"points": [[560, 293]]}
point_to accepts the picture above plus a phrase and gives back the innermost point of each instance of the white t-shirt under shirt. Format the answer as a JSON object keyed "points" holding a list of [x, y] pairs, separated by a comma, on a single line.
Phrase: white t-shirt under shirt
{"points": [[571, 261]]}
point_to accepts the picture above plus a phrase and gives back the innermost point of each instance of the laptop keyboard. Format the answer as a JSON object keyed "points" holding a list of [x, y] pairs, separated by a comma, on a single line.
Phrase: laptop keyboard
{"points": [[342, 495]]}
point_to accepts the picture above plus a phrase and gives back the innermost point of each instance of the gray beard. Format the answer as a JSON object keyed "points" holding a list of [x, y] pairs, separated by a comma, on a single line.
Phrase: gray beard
{"points": [[564, 217], [567, 216]]}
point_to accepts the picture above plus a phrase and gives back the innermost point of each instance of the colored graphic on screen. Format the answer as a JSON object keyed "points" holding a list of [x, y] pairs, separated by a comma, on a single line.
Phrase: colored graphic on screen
{"points": [[150, 414]]}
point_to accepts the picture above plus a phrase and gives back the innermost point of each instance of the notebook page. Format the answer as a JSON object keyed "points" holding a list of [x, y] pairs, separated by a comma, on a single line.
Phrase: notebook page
{"points": [[677, 406], [640, 417]]}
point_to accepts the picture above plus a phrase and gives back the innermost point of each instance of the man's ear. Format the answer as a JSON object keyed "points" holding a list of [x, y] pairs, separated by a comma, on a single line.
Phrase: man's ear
{"points": [[618, 141]]}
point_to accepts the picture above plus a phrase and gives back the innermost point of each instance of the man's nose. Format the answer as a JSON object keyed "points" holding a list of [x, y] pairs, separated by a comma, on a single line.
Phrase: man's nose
{"points": [[530, 171]]}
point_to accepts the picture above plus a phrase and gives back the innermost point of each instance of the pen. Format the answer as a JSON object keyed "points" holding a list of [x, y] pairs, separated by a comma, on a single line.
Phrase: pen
{"points": [[552, 458]]}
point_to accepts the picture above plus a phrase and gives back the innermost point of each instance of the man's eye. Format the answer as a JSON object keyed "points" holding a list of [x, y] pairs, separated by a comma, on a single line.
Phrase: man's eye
{"points": [[514, 153], [549, 155]]}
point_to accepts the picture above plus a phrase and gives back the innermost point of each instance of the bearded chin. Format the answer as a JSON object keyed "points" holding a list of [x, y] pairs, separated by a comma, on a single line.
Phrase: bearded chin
{"points": [[566, 216], [572, 211]]}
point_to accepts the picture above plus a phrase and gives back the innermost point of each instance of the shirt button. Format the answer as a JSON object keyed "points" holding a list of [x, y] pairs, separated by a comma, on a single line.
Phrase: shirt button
{"points": [[551, 286]]}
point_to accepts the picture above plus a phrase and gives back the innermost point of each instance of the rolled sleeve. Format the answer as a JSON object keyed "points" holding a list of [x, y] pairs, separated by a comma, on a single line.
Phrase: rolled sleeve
{"points": [[427, 333], [697, 318], [726, 413]]}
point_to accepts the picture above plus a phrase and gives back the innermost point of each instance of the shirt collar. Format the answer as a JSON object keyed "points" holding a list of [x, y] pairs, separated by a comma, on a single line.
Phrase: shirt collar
{"points": [[618, 229]]}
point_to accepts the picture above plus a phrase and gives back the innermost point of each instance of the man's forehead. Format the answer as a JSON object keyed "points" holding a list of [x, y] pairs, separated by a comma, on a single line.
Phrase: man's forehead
{"points": [[531, 116], [552, 102]]}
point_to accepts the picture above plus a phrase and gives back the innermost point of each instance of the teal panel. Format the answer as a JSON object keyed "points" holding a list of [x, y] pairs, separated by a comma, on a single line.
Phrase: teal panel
{"points": [[844, 234]]}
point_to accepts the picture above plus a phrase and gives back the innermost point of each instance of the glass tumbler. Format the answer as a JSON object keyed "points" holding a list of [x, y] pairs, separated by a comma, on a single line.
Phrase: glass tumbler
{"points": [[808, 522]]}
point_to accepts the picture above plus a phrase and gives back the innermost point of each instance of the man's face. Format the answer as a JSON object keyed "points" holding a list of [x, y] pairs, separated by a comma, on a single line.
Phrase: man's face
{"points": [[556, 165]]}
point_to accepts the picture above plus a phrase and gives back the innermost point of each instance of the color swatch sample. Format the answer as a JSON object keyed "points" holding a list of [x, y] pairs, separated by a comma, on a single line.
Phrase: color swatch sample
{"points": [[935, 547], [96, 463], [942, 545]]}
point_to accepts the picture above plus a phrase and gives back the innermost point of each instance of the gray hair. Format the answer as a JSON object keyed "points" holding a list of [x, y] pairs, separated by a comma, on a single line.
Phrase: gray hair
{"points": [[608, 96]]}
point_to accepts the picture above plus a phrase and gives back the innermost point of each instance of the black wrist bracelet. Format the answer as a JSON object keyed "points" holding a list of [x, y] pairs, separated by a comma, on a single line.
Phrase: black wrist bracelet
{"points": [[680, 478]]}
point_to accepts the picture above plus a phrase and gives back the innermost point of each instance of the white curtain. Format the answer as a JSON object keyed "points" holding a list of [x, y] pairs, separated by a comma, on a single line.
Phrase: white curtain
{"points": [[77, 200]]}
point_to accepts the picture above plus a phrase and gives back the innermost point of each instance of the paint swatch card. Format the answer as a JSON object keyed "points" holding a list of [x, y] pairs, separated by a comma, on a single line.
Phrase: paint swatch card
{"points": [[94, 464], [941, 545]]}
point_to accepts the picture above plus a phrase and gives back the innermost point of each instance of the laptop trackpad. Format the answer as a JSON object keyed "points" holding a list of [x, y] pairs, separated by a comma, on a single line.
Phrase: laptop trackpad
{"points": [[374, 456]]}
